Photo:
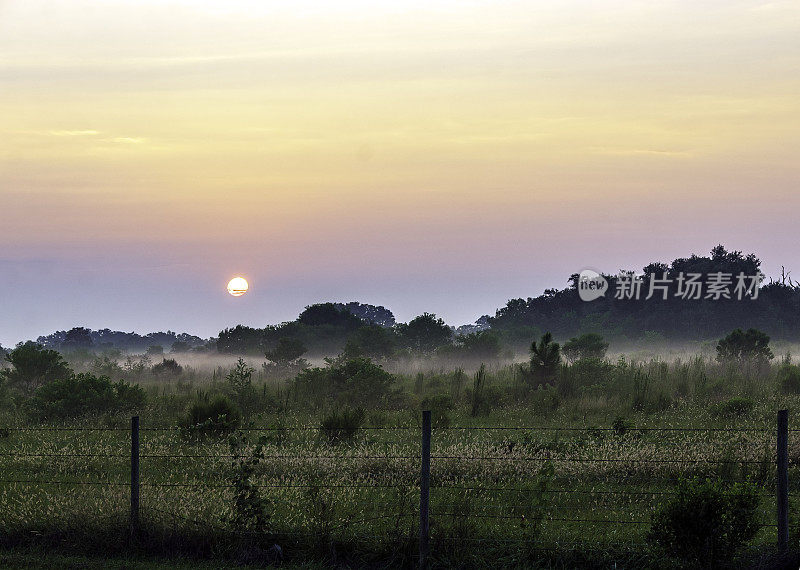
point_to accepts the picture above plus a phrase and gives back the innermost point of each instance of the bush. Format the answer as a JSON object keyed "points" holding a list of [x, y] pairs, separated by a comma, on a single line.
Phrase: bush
{"points": [[706, 522], [210, 418], [789, 378], [621, 426], [585, 346], [167, 367], [440, 406], [735, 407], [355, 382], [338, 427], [84, 394], [32, 366]]}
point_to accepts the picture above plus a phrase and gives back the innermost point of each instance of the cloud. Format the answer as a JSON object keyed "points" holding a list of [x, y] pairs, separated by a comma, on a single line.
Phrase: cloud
{"points": [[76, 133]]}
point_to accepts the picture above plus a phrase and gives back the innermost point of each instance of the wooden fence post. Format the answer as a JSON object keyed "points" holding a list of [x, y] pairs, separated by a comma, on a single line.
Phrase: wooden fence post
{"points": [[424, 490], [783, 480], [134, 476]]}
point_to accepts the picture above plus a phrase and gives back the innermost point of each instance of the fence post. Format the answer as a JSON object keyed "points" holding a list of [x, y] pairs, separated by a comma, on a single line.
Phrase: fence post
{"points": [[425, 490], [134, 476], [783, 480]]}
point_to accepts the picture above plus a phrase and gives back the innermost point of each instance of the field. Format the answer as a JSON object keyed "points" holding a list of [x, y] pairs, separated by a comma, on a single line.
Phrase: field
{"points": [[566, 475]]}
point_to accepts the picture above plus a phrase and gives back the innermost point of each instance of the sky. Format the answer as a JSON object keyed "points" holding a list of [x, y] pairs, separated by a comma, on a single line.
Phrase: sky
{"points": [[434, 156]]}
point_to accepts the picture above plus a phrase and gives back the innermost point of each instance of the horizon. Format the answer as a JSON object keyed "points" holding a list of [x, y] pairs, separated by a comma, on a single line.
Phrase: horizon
{"points": [[441, 157]]}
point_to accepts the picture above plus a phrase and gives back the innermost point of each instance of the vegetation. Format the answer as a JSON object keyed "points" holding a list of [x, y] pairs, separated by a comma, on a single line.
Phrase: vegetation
{"points": [[84, 394], [707, 521], [209, 417]]}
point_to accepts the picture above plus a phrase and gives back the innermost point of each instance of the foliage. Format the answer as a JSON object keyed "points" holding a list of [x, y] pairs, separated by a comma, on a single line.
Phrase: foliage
{"points": [[480, 404], [209, 417], [707, 521], [744, 347], [357, 381], [76, 339], [621, 426], [735, 407], [287, 351], [167, 367], [585, 346], [562, 312], [155, 350], [179, 346], [33, 366], [371, 314], [339, 426], [440, 406], [329, 314], [789, 378], [105, 366], [425, 333], [250, 508], [481, 346], [545, 360], [371, 341], [240, 378], [84, 394]]}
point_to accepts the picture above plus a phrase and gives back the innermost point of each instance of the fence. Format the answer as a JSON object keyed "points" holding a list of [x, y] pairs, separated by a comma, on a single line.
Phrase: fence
{"points": [[421, 491]]}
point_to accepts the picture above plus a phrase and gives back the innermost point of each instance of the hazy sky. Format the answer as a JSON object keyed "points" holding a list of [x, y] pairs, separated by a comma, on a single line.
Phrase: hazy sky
{"points": [[428, 156]]}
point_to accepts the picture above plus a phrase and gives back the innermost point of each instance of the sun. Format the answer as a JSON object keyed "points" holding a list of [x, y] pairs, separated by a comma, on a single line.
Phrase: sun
{"points": [[238, 286]]}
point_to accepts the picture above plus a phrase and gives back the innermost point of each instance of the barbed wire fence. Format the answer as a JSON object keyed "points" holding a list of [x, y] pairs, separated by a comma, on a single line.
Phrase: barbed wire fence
{"points": [[424, 491]]}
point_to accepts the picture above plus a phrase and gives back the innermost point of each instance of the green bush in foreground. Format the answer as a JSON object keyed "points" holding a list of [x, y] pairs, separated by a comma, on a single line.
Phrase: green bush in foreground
{"points": [[706, 522], [342, 426], [84, 394], [210, 418]]}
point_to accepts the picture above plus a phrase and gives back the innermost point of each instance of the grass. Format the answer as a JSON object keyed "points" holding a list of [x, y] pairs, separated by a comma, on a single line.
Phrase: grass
{"points": [[355, 503]]}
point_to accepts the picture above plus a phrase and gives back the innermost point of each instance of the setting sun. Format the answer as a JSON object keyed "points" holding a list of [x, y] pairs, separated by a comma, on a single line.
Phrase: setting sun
{"points": [[237, 286]]}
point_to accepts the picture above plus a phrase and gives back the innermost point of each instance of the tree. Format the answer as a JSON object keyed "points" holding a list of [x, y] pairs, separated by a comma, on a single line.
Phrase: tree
{"points": [[34, 366], [585, 346], [179, 346], [481, 345], [77, 338], [372, 341], [745, 347], [83, 394], [329, 314], [167, 367], [287, 352], [155, 350], [425, 333], [545, 359]]}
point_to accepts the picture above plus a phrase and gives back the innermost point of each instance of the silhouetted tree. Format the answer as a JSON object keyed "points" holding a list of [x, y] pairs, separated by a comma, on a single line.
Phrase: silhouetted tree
{"points": [[545, 359], [372, 341], [287, 352], [585, 346], [32, 366], [739, 346], [425, 333], [77, 338]]}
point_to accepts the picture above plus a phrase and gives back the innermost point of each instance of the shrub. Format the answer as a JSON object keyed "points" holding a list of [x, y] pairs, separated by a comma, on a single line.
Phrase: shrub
{"points": [[355, 382], [342, 426], [789, 378], [735, 407], [167, 367], [84, 394], [741, 347], [32, 366], [621, 426], [250, 510], [706, 522], [589, 345], [210, 418], [440, 406]]}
